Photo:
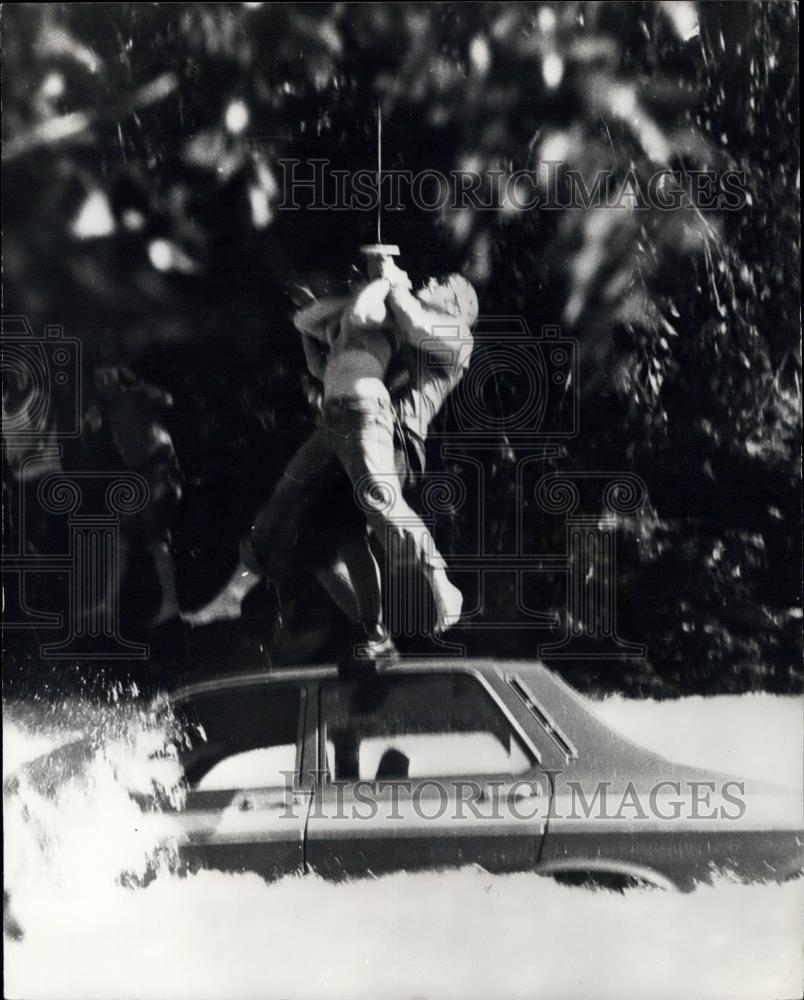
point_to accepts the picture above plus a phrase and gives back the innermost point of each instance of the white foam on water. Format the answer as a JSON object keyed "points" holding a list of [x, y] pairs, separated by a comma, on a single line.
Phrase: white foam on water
{"points": [[460, 934]]}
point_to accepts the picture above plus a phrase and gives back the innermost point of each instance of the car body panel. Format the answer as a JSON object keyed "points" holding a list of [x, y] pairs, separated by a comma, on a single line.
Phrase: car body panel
{"points": [[428, 822], [753, 829], [259, 827], [255, 829]]}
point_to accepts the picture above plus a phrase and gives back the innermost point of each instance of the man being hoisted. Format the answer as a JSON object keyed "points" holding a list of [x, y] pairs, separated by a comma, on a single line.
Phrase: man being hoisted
{"points": [[350, 344]]}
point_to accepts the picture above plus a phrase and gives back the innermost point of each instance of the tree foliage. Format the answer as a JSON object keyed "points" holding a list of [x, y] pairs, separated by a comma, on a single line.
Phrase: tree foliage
{"points": [[141, 204]]}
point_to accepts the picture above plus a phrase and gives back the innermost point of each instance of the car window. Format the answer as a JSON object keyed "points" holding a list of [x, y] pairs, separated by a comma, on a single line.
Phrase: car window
{"points": [[417, 726], [240, 738], [263, 767]]}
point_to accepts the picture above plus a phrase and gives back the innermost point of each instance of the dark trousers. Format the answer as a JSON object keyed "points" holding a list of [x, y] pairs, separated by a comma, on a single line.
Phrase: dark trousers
{"points": [[355, 436]]}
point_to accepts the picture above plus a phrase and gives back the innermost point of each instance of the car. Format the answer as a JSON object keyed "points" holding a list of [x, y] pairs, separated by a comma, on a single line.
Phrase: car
{"points": [[436, 764]]}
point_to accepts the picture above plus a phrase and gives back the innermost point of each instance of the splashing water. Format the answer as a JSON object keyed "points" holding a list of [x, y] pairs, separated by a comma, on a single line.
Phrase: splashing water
{"points": [[71, 823], [72, 830]]}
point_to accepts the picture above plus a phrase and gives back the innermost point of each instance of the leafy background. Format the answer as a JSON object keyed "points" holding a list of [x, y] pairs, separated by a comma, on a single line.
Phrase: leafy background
{"points": [[141, 149]]}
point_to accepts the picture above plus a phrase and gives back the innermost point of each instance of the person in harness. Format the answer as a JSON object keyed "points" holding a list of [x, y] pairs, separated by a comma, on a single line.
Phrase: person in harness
{"points": [[380, 394]]}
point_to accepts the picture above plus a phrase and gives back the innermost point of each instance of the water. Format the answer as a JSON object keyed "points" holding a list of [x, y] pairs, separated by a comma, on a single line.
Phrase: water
{"points": [[87, 933]]}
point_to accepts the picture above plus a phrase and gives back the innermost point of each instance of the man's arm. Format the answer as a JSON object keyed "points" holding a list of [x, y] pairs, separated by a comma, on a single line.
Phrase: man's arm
{"points": [[367, 309], [315, 354], [420, 324], [313, 319]]}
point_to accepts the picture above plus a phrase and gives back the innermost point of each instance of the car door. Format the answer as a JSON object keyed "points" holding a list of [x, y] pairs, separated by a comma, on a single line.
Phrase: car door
{"points": [[422, 770], [240, 752]]}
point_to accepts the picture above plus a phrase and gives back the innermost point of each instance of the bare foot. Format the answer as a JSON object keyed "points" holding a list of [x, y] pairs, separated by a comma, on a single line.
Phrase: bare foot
{"points": [[226, 605], [448, 601]]}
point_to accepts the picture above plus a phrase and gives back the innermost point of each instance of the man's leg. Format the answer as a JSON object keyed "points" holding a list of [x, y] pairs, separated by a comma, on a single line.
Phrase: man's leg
{"points": [[275, 532], [337, 581], [353, 581], [362, 437]]}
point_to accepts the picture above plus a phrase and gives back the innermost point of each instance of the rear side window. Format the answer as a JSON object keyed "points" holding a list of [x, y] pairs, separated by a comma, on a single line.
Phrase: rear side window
{"points": [[417, 726], [241, 738]]}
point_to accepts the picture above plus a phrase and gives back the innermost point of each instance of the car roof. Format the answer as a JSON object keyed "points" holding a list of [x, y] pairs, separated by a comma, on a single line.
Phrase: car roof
{"points": [[329, 671], [605, 750]]}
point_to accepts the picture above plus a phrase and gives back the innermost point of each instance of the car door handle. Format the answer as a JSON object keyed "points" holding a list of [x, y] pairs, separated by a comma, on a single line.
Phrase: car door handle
{"points": [[247, 804], [512, 792], [524, 791]]}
